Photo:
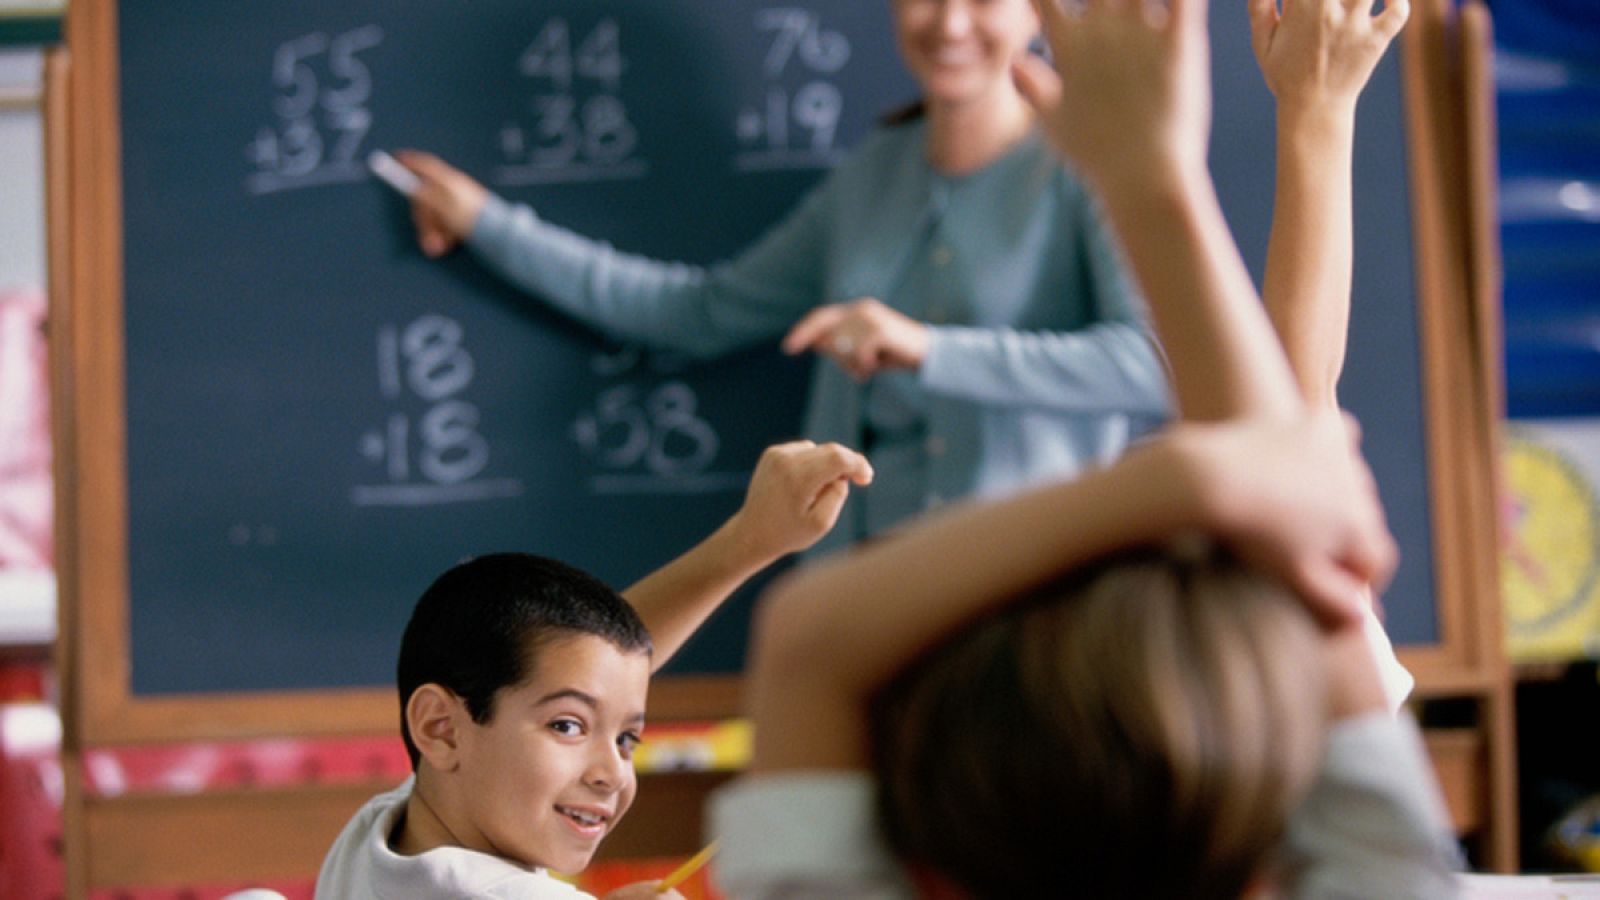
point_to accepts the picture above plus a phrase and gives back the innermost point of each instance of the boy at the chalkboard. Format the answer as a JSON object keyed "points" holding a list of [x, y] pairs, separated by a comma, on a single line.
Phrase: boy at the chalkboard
{"points": [[522, 685]]}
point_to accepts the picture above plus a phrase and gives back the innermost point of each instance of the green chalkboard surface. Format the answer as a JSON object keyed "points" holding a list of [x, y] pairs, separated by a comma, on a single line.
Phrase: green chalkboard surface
{"points": [[319, 420]]}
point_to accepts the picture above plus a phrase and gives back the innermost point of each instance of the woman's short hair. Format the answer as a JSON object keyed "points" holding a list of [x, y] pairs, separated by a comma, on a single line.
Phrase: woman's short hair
{"points": [[1141, 728]]}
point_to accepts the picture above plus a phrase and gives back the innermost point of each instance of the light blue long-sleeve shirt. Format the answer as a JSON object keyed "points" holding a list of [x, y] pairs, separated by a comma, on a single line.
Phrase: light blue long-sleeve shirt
{"points": [[1038, 361]]}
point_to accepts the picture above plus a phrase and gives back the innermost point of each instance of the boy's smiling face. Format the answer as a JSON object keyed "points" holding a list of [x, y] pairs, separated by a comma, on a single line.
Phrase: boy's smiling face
{"points": [[551, 772]]}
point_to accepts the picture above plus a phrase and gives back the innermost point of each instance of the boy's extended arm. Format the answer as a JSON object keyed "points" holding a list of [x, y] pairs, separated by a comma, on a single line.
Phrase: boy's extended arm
{"points": [[1129, 104], [793, 500], [1316, 56], [1306, 288], [826, 638]]}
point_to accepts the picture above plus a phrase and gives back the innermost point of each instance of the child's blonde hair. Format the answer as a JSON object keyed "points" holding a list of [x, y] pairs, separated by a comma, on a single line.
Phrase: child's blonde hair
{"points": [[1141, 728]]}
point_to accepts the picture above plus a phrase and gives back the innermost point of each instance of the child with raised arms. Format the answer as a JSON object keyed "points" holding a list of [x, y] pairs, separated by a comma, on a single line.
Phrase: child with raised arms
{"points": [[1041, 696], [523, 694]]}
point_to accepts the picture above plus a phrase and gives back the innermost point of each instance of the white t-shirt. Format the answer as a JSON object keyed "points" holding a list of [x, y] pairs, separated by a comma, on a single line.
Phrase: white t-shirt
{"points": [[1373, 826], [360, 866]]}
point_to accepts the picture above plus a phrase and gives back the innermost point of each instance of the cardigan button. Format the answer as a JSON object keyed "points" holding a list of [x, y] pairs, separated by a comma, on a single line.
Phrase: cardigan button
{"points": [[935, 446], [942, 256], [937, 315]]}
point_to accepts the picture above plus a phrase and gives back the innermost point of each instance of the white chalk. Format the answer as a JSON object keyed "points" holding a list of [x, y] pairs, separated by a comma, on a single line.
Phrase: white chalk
{"points": [[393, 174]]}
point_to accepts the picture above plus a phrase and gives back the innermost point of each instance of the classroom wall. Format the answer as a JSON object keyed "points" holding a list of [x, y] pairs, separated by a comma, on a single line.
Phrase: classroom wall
{"points": [[27, 597], [1547, 78], [21, 171]]}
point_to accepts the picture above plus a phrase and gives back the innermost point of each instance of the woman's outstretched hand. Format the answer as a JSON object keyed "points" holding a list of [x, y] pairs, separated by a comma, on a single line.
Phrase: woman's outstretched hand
{"points": [[446, 203], [864, 337]]}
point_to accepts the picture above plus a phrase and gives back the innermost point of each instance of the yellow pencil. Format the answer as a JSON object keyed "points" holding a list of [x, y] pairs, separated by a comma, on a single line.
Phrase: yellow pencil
{"points": [[691, 866]]}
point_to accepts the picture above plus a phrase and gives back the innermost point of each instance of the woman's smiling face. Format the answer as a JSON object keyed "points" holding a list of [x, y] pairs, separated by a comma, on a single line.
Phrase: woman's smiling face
{"points": [[961, 50]]}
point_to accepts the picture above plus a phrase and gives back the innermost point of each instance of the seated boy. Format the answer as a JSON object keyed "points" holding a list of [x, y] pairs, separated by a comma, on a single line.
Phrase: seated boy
{"points": [[522, 686], [1018, 707]]}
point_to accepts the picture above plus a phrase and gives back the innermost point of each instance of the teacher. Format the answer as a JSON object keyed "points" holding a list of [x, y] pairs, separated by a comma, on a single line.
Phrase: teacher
{"points": [[981, 332]]}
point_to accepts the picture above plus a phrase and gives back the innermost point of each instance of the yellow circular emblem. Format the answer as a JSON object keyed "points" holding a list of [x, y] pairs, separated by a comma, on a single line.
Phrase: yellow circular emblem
{"points": [[1549, 566]]}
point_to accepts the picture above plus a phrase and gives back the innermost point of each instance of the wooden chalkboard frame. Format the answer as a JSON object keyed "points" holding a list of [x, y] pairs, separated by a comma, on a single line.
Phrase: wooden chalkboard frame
{"points": [[1460, 367], [1457, 358]]}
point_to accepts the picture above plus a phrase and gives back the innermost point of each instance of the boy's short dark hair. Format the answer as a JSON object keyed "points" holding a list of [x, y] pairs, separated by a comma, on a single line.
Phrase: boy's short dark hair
{"points": [[477, 628]]}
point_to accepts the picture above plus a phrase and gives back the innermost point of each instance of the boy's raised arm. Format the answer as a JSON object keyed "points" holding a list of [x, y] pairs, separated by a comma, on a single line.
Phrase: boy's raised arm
{"points": [[1129, 104], [830, 635], [1317, 56], [793, 500], [1132, 112]]}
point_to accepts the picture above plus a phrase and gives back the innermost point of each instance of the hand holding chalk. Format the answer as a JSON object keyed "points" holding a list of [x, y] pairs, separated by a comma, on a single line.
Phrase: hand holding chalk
{"points": [[445, 201], [392, 173]]}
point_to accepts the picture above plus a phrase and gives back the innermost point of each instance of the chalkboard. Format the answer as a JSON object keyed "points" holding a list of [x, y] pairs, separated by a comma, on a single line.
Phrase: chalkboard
{"points": [[319, 420]]}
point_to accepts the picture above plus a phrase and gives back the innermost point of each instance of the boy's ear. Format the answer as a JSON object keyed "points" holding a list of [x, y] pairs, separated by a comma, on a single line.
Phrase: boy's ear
{"points": [[435, 717]]}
